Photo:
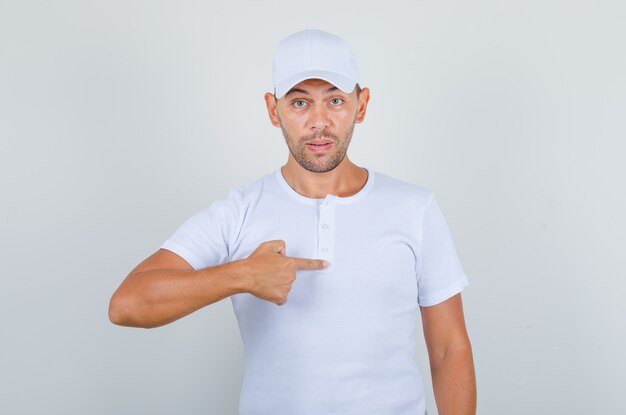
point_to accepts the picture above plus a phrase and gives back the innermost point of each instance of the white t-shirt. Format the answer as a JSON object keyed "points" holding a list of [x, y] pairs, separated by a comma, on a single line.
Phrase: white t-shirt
{"points": [[343, 341]]}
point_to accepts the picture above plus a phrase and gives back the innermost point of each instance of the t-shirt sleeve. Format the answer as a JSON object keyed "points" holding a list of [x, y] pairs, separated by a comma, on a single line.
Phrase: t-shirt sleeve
{"points": [[203, 239], [439, 271]]}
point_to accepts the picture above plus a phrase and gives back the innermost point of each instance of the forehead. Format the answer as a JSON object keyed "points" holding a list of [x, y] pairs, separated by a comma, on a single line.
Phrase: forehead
{"points": [[314, 86], [314, 82], [311, 86]]}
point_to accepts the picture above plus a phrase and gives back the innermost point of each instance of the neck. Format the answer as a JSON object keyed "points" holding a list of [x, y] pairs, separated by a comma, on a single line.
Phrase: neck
{"points": [[343, 181]]}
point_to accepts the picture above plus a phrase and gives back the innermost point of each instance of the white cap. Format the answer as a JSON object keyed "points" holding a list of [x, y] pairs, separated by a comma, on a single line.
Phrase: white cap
{"points": [[312, 53]]}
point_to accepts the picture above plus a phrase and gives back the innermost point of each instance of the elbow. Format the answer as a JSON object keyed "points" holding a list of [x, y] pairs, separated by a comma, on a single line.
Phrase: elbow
{"points": [[122, 312], [451, 348], [461, 352], [118, 310]]}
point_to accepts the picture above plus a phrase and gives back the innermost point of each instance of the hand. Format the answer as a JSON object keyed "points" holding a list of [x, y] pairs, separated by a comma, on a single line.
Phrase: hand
{"points": [[272, 272]]}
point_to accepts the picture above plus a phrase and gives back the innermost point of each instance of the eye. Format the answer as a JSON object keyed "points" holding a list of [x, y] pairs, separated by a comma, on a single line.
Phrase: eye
{"points": [[299, 104], [336, 101]]}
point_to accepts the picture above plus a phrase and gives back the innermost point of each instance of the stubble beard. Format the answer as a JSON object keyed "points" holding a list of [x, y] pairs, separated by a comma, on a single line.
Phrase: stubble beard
{"points": [[318, 163]]}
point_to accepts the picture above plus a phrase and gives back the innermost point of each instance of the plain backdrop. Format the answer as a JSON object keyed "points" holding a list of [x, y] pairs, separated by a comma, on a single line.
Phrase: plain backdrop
{"points": [[121, 119]]}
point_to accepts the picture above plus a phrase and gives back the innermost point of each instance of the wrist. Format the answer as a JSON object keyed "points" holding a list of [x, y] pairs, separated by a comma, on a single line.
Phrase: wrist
{"points": [[239, 272]]}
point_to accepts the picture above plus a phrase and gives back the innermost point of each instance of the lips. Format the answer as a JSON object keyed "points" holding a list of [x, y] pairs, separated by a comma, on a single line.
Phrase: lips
{"points": [[318, 146], [319, 142]]}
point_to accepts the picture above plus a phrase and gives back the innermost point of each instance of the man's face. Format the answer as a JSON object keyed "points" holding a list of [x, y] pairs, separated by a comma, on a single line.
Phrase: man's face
{"points": [[317, 120]]}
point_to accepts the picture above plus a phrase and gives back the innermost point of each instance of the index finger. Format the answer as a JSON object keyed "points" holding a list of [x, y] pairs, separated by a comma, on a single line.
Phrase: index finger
{"points": [[305, 263]]}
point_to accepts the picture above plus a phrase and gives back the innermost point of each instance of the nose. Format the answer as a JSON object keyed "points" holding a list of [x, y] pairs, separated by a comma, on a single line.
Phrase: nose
{"points": [[319, 118]]}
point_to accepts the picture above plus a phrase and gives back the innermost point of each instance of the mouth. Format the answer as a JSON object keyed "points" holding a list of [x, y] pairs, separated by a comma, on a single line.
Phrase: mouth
{"points": [[320, 145]]}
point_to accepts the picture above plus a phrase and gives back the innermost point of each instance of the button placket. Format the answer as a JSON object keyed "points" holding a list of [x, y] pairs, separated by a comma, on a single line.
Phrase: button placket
{"points": [[326, 229]]}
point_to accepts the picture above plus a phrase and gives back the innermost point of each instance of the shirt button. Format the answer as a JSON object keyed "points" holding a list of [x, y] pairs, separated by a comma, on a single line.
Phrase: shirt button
{"points": [[324, 226]]}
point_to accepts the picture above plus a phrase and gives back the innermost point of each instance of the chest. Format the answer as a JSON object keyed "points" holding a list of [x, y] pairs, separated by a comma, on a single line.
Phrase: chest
{"points": [[372, 252]]}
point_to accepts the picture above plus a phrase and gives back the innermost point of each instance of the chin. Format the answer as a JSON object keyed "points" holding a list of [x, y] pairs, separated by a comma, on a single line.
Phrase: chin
{"points": [[319, 168]]}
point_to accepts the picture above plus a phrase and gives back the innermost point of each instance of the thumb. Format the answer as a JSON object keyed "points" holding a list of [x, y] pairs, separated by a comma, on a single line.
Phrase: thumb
{"points": [[278, 246]]}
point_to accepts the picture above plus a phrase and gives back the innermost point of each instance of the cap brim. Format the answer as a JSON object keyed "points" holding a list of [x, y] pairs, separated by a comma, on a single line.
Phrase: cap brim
{"points": [[342, 82]]}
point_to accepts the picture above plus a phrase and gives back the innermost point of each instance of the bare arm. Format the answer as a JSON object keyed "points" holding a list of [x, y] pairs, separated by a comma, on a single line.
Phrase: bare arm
{"points": [[164, 287], [450, 355]]}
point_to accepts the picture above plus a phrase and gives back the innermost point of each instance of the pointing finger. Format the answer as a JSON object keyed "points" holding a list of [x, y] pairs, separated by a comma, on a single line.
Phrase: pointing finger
{"points": [[304, 263]]}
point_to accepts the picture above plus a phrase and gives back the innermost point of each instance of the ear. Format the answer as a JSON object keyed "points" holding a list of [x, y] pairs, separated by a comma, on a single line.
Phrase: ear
{"points": [[271, 102], [364, 98]]}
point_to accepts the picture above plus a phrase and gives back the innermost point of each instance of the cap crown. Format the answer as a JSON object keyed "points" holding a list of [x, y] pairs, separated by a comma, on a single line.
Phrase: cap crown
{"points": [[310, 54]]}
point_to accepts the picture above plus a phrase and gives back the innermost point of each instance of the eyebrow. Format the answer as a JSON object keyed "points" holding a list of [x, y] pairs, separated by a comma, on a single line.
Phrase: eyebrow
{"points": [[302, 91]]}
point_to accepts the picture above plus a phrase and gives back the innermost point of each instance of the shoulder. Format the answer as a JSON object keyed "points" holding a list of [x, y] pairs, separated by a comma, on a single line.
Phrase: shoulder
{"points": [[397, 190], [237, 200]]}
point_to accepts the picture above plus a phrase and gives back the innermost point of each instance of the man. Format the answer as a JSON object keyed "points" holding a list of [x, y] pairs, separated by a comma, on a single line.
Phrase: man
{"points": [[325, 263]]}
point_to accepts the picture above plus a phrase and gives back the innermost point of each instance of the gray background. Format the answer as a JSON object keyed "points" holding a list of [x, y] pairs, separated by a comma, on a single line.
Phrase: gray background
{"points": [[120, 119]]}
